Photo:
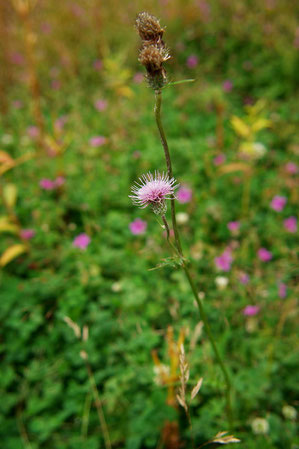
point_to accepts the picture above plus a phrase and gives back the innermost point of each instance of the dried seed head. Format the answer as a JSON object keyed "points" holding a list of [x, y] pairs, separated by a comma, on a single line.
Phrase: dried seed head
{"points": [[153, 52], [149, 27], [152, 57]]}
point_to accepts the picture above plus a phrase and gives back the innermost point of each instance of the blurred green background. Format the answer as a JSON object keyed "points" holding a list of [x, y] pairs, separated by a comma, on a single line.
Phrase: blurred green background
{"points": [[87, 327]]}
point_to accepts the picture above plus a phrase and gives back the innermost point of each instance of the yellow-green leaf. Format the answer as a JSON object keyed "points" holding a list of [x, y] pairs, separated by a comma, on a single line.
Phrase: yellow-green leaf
{"points": [[8, 227], [11, 253], [10, 194], [240, 127], [261, 123]]}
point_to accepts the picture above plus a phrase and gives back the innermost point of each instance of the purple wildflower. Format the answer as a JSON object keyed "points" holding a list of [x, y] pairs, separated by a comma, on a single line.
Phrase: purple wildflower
{"points": [[17, 104], [33, 132], [184, 195], [278, 203], [282, 290], [47, 184], [251, 310], [100, 105], [220, 159], [27, 234], [59, 181], [233, 226], [227, 86], [264, 255], [223, 262], [244, 278], [138, 226], [192, 61], [153, 191], [17, 58], [60, 122], [81, 241], [291, 168], [97, 141], [290, 224]]}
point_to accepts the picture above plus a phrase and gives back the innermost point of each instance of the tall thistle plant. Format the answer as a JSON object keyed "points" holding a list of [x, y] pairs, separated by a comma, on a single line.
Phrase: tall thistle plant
{"points": [[154, 190]]}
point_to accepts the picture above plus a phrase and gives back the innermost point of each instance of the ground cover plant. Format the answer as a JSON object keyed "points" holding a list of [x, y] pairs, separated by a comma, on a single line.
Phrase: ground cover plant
{"points": [[98, 328]]}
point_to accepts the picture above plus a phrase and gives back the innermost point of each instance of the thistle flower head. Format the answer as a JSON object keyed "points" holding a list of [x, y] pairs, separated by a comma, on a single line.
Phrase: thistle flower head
{"points": [[153, 52], [153, 191], [149, 27]]}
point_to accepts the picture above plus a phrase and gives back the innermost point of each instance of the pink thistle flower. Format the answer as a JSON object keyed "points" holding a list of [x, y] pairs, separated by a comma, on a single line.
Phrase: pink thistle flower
{"points": [[220, 159], [264, 255], [81, 241], [223, 262], [251, 310], [153, 191], [100, 105], [47, 184], [291, 168], [278, 203], [138, 226], [282, 290], [97, 141], [27, 234], [227, 86], [192, 61], [184, 195], [244, 278], [290, 224], [233, 226]]}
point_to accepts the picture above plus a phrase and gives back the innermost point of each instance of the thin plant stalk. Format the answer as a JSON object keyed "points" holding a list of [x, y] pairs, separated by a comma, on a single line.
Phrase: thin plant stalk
{"points": [[99, 407], [158, 103]]}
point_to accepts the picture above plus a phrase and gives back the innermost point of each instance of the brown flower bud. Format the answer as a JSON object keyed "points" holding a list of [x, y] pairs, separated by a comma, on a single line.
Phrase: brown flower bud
{"points": [[149, 27]]}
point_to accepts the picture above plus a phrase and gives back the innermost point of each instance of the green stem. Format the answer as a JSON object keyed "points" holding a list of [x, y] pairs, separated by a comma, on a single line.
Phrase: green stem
{"points": [[158, 97]]}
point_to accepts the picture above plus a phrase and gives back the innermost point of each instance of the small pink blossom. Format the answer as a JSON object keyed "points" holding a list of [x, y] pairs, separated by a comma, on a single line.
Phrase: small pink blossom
{"points": [[290, 224], [47, 184], [100, 105], [184, 195], [251, 310], [17, 104], [33, 132], [55, 84], [227, 86], [27, 234], [244, 278], [223, 262], [138, 78], [278, 203], [138, 226], [282, 290], [291, 168], [192, 61], [233, 226], [17, 58], [81, 241], [60, 122], [153, 191], [46, 28], [98, 65], [264, 255], [220, 159], [59, 181], [97, 141]]}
